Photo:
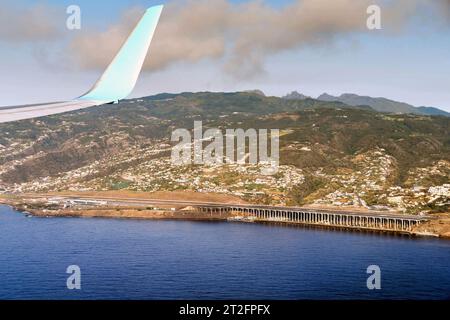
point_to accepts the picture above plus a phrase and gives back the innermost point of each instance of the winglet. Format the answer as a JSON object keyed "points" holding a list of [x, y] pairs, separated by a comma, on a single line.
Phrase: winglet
{"points": [[120, 77]]}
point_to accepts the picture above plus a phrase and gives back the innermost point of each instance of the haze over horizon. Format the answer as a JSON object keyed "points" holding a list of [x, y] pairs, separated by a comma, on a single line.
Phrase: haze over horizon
{"points": [[307, 46]]}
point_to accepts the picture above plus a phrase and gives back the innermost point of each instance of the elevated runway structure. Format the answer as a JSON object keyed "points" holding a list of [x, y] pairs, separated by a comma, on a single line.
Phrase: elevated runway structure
{"points": [[345, 219], [364, 220]]}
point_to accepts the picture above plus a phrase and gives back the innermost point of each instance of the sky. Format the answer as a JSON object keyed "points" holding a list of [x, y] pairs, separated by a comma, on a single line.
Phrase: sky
{"points": [[311, 46]]}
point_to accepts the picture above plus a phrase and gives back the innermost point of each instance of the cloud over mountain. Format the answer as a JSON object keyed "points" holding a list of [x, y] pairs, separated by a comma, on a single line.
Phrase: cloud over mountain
{"points": [[38, 22], [240, 36], [243, 35]]}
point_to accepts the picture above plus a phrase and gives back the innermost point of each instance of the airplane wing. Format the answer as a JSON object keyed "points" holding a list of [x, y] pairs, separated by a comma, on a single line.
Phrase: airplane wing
{"points": [[115, 84]]}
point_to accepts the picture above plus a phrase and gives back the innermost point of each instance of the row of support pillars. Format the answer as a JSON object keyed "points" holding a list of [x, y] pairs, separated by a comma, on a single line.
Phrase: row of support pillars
{"points": [[322, 218]]}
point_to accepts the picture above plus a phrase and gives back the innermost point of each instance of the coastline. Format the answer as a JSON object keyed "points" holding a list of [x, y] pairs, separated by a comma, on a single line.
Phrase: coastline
{"points": [[438, 227], [118, 213]]}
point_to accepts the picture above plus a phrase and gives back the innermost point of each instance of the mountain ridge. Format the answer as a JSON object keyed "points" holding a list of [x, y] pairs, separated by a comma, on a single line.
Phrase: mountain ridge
{"points": [[379, 104]]}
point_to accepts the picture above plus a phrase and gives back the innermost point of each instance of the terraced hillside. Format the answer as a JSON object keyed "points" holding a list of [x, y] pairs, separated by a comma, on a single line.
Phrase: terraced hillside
{"points": [[330, 153]]}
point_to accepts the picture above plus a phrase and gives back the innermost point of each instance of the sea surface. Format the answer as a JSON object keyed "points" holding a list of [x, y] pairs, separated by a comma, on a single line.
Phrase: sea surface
{"points": [[148, 259]]}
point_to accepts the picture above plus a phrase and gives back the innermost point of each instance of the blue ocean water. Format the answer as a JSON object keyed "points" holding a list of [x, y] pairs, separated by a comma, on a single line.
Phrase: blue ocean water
{"points": [[145, 259]]}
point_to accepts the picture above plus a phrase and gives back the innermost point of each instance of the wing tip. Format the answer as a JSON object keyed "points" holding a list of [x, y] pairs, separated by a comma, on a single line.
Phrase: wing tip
{"points": [[156, 8]]}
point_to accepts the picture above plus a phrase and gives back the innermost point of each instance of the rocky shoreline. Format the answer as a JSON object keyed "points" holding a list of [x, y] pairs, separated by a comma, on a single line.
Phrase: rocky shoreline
{"points": [[119, 213], [434, 228]]}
